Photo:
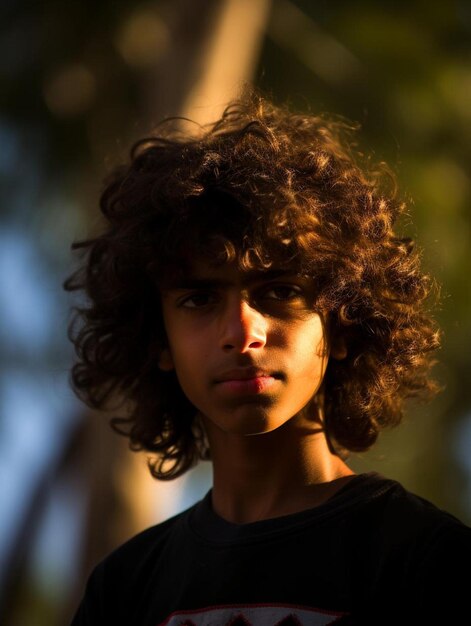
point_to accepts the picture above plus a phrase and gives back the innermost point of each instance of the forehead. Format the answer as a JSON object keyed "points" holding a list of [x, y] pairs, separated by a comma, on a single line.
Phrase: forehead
{"points": [[200, 271]]}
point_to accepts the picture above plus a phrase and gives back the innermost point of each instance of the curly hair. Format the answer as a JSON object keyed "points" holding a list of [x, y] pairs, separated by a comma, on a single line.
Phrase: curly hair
{"points": [[261, 186]]}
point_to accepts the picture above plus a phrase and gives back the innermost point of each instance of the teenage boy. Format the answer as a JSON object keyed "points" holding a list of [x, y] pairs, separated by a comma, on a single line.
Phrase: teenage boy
{"points": [[252, 304]]}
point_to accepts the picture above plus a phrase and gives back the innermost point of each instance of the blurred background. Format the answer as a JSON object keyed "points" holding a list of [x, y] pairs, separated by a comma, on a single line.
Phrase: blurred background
{"points": [[79, 83]]}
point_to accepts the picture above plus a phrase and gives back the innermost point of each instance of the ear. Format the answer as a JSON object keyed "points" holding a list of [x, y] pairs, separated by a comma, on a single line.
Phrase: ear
{"points": [[338, 348], [166, 360]]}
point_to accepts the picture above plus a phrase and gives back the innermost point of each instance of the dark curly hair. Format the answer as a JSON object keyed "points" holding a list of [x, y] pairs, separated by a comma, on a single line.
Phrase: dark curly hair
{"points": [[261, 186]]}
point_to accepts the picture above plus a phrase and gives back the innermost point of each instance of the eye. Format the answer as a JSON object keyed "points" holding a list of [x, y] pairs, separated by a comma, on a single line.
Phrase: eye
{"points": [[283, 293], [197, 300]]}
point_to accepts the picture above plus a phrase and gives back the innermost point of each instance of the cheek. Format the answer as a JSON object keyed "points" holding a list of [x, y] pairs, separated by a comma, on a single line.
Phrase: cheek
{"points": [[190, 357], [310, 352]]}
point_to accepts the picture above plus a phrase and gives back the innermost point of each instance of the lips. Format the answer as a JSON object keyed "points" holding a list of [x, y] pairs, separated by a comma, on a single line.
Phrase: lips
{"points": [[243, 373], [247, 380]]}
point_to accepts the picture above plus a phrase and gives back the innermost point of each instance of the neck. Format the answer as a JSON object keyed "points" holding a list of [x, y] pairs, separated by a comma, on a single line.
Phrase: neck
{"points": [[273, 474]]}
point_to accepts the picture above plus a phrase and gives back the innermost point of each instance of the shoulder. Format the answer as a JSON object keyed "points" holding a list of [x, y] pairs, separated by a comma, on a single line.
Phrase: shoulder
{"points": [[438, 579], [128, 564], [407, 553], [384, 523], [143, 548], [422, 514], [418, 549], [434, 534], [395, 507], [117, 577], [117, 582], [390, 528]]}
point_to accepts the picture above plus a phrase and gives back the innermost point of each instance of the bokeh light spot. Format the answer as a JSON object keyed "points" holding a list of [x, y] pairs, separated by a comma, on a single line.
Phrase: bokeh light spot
{"points": [[143, 38], [70, 90]]}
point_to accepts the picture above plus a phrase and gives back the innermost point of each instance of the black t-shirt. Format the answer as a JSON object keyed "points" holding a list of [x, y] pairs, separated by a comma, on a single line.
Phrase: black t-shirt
{"points": [[374, 553]]}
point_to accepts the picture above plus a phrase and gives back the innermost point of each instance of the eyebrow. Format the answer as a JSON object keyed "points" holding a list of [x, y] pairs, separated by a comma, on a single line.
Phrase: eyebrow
{"points": [[193, 282]]}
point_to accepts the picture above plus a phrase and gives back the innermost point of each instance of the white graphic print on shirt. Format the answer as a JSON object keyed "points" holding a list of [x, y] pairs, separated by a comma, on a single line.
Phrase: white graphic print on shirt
{"points": [[253, 615]]}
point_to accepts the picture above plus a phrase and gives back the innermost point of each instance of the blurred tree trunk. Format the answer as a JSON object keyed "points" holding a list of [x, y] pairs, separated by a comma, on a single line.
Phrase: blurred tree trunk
{"points": [[202, 71]]}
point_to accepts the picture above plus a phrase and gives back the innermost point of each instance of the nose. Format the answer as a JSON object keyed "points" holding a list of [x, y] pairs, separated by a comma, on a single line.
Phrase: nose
{"points": [[244, 328]]}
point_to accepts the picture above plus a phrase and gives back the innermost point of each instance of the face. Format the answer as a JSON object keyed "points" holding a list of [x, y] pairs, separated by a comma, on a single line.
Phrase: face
{"points": [[248, 349]]}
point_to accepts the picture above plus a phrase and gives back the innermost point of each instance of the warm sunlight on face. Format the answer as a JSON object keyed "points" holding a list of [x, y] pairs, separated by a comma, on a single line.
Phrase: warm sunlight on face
{"points": [[248, 349]]}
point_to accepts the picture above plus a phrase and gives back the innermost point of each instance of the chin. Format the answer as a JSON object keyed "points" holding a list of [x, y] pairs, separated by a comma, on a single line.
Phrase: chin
{"points": [[253, 424]]}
